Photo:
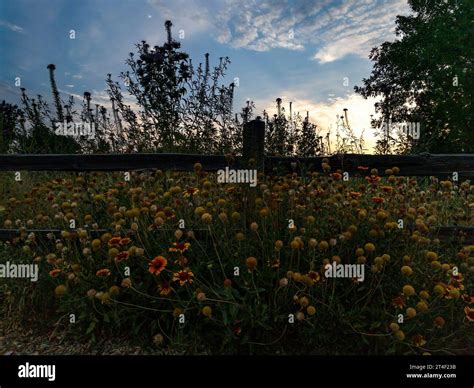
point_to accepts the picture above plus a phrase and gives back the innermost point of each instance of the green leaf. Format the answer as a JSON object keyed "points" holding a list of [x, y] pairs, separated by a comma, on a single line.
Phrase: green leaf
{"points": [[91, 327]]}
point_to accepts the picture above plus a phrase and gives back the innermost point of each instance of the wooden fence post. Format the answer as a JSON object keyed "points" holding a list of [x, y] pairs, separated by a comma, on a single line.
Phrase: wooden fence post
{"points": [[253, 158], [254, 142]]}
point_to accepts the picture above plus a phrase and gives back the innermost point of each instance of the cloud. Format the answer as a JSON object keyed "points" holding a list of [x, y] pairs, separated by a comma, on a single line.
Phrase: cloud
{"points": [[12, 27], [361, 29], [192, 16], [333, 29], [10, 93]]}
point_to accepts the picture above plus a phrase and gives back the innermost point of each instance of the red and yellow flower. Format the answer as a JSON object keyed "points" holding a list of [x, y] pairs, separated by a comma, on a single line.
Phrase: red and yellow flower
{"points": [[114, 242], [121, 257], [125, 241], [55, 272], [468, 299], [372, 178], [184, 276], [180, 247], [355, 194], [387, 189], [189, 192], [157, 265], [165, 288], [398, 302], [104, 272], [469, 311], [419, 340], [314, 276]]}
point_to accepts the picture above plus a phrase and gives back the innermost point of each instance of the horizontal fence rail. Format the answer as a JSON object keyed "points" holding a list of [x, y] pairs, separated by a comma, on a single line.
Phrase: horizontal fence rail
{"points": [[441, 165], [443, 233], [110, 162], [410, 165]]}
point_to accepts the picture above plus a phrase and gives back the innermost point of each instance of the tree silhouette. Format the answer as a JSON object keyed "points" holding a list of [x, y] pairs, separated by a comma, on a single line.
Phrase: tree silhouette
{"points": [[426, 76]]}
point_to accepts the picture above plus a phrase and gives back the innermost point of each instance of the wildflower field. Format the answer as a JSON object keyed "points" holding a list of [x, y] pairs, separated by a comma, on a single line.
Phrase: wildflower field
{"points": [[178, 261]]}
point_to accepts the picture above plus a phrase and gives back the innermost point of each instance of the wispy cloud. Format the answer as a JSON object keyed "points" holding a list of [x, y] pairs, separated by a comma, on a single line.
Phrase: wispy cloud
{"points": [[332, 29], [12, 27]]}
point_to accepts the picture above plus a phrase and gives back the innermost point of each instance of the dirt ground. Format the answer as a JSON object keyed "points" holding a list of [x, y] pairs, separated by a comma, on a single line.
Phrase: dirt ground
{"points": [[15, 340]]}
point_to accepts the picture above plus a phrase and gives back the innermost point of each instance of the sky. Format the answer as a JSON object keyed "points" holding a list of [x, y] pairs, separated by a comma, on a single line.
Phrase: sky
{"points": [[310, 52]]}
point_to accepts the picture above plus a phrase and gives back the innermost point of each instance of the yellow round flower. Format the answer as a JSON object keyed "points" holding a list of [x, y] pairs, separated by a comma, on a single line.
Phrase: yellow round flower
{"points": [[206, 218], [439, 322], [199, 211], [197, 167], [411, 312], [158, 339], [436, 265], [60, 290], [406, 270], [295, 244], [297, 277], [424, 295], [408, 290], [114, 290], [311, 310], [304, 301], [422, 306], [251, 263], [394, 327], [399, 335], [207, 311], [323, 245], [201, 296], [361, 260], [439, 290], [369, 247], [278, 245], [445, 267], [106, 237], [431, 256], [454, 293], [95, 244]]}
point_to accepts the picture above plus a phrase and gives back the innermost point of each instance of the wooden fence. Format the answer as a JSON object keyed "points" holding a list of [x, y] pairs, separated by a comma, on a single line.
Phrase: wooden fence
{"points": [[451, 166]]}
